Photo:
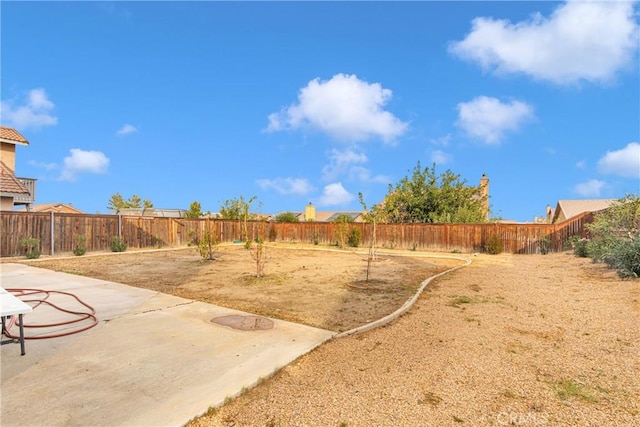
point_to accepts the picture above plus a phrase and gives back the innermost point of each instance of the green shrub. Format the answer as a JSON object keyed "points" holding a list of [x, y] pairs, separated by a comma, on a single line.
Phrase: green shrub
{"points": [[208, 245], [545, 245], [624, 257], [598, 248], [287, 217], [273, 233], [315, 238], [355, 237], [581, 248], [31, 246], [80, 245], [118, 244], [494, 245]]}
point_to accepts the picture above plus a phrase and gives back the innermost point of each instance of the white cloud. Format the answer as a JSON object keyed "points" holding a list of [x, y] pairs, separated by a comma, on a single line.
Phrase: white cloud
{"points": [[591, 188], [34, 113], [42, 165], [344, 107], [363, 174], [487, 118], [298, 186], [335, 194], [443, 141], [81, 161], [346, 163], [440, 157], [581, 164], [127, 129], [340, 161], [624, 162], [581, 40]]}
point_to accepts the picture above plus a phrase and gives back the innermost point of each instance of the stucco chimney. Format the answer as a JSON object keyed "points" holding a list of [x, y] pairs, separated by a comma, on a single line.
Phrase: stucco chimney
{"points": [[310, 212], [484, 193]]}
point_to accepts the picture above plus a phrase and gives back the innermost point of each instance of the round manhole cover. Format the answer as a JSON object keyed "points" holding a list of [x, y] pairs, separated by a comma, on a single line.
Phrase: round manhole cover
{"points": [[244, 323]]}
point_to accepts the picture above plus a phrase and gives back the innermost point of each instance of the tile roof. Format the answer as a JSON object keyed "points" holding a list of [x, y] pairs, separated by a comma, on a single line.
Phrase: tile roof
{"points": [[11, 135], [9, 183]]}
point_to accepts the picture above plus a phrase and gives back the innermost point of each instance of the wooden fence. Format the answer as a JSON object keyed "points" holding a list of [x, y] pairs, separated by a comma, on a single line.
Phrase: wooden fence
{"points": [[57, 233]]}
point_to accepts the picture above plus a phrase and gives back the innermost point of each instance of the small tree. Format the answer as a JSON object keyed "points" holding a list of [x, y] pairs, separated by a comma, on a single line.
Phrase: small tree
{"points": [[80, 245], [195, 210], [118, 244], [494, 245], [209, 243], [117, 202], [287, 217], [258, 251], [342, 230], [239, 209], [375, 215], [31, 247]]}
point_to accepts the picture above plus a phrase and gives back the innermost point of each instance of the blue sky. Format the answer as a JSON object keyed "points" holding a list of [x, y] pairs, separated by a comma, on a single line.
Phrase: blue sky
{"points": [[298, 102]]}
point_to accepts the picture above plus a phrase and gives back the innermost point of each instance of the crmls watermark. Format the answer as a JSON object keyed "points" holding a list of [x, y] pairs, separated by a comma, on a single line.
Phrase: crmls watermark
{"points": [[522, 419]]}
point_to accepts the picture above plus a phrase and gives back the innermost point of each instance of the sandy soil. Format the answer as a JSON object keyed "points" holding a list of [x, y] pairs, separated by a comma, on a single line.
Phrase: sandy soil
{"points": [[524, 340], [325, 289]]}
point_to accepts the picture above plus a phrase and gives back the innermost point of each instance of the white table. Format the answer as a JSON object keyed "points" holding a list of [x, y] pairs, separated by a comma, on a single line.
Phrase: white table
{"points": [[12, 306]]}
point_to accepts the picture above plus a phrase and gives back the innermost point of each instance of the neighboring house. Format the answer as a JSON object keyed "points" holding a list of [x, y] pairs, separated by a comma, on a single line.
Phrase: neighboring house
{"points": [[13, 190], [167, 213], [53, 207], [310, 215], [566, 209]]}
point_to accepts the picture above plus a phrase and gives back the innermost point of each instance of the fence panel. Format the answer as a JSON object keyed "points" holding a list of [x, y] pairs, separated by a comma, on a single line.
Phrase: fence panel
{"points": [[153, 232]]}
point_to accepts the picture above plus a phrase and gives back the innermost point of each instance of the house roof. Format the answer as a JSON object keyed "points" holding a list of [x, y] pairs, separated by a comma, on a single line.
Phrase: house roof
{"points": [[169, 213], [323, 216], [53, 207], [9, 183], [571, 208], [335, 216], [12, 136]]}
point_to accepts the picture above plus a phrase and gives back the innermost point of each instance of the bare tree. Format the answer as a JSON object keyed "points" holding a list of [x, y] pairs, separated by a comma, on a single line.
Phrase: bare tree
{"points": [[374, 216]]}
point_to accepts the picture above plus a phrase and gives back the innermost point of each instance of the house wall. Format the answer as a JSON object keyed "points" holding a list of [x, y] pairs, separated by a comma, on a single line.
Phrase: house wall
{"points": [[8, 155], [6, 203]]}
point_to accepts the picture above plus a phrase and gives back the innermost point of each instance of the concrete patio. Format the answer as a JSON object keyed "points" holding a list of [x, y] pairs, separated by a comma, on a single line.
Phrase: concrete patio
{"points": [[152, 359]]}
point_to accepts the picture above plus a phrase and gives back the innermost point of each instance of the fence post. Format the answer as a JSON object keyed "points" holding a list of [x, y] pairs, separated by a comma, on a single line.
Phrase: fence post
{"points": [[53, 243], [119, 225]]}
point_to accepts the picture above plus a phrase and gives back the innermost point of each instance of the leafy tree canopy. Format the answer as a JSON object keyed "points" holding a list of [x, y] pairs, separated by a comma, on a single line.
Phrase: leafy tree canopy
{"points": [[343, 218], [117, 202], [375, 214], [425, 197], [237, 208], [287, 217], [622, 218], [195, 210]]}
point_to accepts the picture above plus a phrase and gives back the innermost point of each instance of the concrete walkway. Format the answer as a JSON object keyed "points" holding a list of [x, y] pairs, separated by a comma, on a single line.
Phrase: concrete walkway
{"points": [[152, 360]]}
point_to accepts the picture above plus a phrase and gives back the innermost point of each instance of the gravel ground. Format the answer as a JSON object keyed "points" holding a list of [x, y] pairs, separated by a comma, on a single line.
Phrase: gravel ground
{"points": [[510, 340]]}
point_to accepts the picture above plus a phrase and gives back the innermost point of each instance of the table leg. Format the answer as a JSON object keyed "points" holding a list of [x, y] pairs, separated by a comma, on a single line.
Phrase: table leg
{"points": [[21, 335]]}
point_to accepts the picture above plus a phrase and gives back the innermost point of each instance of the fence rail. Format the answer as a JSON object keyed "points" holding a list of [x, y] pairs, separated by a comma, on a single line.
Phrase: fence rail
{"points": [[58, 231]]}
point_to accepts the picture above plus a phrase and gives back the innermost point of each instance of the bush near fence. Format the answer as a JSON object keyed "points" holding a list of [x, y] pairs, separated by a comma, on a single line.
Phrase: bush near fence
{"points": [[57, 233]]}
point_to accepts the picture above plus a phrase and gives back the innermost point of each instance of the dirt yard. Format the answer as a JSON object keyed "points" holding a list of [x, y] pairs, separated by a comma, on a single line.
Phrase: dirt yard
{"points": [[526, 340], [325, 289]]}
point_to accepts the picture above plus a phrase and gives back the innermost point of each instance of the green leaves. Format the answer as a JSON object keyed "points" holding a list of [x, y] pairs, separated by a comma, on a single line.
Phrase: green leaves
{"points": [[430, 198], [117, 202]]}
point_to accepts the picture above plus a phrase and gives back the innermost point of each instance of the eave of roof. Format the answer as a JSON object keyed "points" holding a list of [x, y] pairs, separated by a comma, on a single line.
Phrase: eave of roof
{"points": [[9, 184], [12, 136]]}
